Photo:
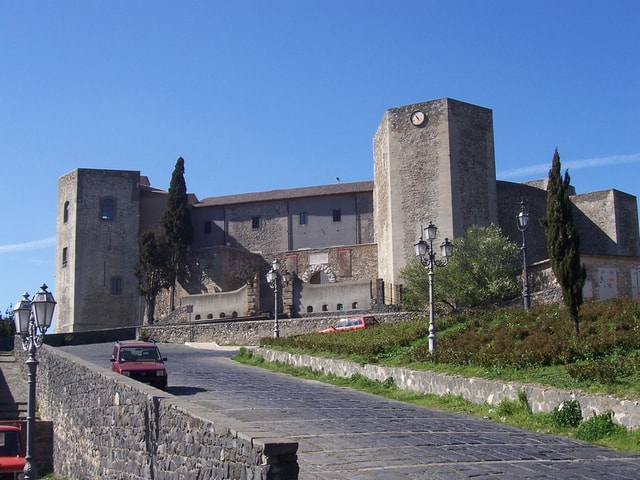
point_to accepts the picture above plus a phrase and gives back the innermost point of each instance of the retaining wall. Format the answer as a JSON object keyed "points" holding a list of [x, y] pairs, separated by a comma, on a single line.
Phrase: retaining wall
{"points": [[477, 390], [109, 426]]}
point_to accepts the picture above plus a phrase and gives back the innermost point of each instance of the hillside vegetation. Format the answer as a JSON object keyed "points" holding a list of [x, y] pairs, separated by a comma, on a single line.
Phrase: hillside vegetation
{"points": [[538, 345]]}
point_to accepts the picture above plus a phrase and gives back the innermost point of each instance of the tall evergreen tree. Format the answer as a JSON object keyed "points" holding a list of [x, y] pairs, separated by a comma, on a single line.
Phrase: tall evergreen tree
{"points": [[153, 271], [563, 243], [176, 225]]}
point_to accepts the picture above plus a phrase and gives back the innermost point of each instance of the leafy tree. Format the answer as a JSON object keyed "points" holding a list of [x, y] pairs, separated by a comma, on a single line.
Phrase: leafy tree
{"points": [[483, 270], [176, 225], [563, 243], [153, 271]]}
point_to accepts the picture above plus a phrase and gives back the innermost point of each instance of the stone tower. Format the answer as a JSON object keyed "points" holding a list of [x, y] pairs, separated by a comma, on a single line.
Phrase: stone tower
{"points": [[433, 161], [97, 233]]}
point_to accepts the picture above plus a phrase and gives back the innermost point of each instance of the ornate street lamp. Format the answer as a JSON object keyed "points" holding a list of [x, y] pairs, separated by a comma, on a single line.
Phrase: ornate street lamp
{"points": [[424, 251], [523, 223], [272, 280], [32, 319]]}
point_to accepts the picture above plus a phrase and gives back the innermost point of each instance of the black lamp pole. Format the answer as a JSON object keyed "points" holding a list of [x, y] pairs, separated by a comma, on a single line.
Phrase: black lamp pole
{"points": [[523, 223], [32, 319]]}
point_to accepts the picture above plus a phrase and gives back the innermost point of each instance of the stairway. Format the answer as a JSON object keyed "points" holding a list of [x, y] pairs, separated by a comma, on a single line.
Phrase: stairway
{"points": [[14, 390]]}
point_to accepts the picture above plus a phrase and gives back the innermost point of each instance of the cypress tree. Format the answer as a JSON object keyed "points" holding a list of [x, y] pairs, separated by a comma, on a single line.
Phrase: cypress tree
{"points": [[563, 243], [153, 271], [175, 223]]}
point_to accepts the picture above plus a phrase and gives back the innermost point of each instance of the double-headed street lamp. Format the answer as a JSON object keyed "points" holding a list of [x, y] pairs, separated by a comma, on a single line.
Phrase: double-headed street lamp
{"points": [[427, 257], [523, 223], [272, 280], [32, 319]]}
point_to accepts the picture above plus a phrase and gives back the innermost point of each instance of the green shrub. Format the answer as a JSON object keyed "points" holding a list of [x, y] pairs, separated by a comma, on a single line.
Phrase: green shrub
{"points": [[503, 338], [567, 414], [597, 427], [606, 372]]}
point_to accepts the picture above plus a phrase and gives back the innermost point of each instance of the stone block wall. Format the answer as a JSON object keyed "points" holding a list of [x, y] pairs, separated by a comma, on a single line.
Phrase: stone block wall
{"points": [[477, 390], [108, 426], [249, 332]]}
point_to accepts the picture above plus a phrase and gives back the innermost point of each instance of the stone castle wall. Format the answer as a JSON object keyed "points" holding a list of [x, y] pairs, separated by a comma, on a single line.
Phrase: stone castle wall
{"points": [[109, 426]]}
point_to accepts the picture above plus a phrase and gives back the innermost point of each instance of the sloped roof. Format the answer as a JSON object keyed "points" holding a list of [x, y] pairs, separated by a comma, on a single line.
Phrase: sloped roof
{"points": [[288, 194]]}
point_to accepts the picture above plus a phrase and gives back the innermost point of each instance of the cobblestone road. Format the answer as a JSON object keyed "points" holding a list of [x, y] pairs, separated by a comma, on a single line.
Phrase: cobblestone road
{"points": [[344, 434]]}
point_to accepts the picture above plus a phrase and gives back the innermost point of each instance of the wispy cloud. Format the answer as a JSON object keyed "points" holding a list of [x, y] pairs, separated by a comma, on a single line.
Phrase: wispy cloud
{"points": [[543, 168], [34, 245]]}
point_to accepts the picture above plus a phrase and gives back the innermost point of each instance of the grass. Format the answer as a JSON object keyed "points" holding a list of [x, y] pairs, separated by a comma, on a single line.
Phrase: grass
{"points": [[535, 346]]}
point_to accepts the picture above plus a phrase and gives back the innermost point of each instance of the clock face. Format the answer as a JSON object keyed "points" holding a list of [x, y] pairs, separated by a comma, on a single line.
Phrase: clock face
{"points": [[418, 118]]}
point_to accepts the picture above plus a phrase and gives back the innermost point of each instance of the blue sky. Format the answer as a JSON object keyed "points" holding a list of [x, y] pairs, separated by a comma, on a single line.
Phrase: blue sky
{"points": [[262, 95]]}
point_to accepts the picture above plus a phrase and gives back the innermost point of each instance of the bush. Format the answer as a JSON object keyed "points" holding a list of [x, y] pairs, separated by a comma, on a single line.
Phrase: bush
{"points": [[607, 350], [567, 414], [597, 427], [606, 372]]}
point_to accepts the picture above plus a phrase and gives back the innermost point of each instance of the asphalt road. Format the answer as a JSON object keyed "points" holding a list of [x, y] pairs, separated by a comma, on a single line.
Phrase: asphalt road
{"points": [[344, 434]]}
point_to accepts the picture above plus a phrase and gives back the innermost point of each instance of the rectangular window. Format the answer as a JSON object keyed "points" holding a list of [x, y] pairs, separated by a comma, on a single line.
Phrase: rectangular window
{"points": [[64, 256], [207, 226], [116, 286], [107, 208], [303, 218], [255, 222], [337, 215]]}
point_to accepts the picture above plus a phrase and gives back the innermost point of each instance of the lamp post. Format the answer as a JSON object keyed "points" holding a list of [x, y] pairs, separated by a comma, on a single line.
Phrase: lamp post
{"points": [[523, 223], [32, 319], [427, 257], [272, 280]]}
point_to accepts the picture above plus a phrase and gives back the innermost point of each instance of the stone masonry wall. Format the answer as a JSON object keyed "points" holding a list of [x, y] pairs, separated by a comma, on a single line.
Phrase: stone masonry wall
{"points": [[109, 426], [541, 398]]}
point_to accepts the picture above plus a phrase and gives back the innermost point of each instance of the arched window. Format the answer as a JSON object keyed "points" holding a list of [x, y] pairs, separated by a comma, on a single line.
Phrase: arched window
{"points": [[65, 213]]}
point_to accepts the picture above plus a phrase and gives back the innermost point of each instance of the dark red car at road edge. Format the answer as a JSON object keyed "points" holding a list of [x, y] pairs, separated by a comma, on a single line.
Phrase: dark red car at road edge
{"points": [[141, 361]]}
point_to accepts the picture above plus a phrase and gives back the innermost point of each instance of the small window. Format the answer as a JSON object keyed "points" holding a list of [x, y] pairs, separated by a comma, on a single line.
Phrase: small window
{"points": [[255, 222], [107, 209], [309, 309], [325, 308], [116, 286], [339, 307], [64, 256], [207, 226], [303, 218], [337, 215], [65, 213]]}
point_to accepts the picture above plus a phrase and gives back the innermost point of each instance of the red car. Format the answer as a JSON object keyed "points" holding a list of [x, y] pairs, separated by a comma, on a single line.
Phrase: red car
{"points": [[351, 323], [12, 459], [141, 361]]}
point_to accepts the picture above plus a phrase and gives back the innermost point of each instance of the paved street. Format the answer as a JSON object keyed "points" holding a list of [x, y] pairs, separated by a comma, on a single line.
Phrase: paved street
{"points": [[345, 434]]}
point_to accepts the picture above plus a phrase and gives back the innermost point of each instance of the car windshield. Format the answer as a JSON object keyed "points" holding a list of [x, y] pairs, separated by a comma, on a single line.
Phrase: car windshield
{"points": [[347, 322], [139, 354]]}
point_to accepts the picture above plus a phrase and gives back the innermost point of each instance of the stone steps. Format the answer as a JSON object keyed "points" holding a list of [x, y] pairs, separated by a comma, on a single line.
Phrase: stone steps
{"points": [[13, 389]]}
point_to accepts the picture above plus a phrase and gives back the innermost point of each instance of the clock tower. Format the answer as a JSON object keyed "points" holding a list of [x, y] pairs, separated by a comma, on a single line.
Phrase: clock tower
{"points": [[433, 161]]}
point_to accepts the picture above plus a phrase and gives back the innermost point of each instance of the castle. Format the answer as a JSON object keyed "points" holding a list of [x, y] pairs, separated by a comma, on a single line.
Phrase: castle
{"points": [[344, 244]]}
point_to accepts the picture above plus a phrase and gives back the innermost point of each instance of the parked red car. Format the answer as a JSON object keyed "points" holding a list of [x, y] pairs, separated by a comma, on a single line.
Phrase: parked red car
{"points": [[12, 459], [351, 323], [141, 361]]}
